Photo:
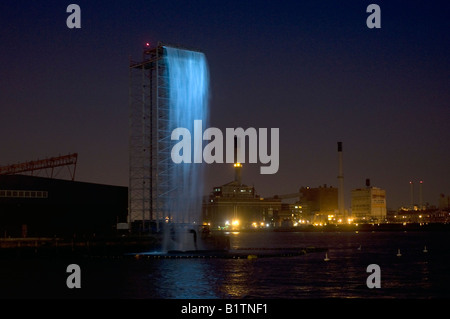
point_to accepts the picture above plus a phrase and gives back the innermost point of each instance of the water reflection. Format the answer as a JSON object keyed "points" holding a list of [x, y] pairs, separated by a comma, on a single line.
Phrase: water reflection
{"points": [[184, 279], [239, 277], [415, 274]]}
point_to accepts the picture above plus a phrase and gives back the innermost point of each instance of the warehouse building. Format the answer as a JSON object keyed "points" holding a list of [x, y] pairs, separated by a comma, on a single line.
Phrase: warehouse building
{"points": [[33, 206]]}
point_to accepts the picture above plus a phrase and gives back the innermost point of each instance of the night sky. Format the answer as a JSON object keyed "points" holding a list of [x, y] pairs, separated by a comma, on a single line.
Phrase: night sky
{"points": [[311, 68]]}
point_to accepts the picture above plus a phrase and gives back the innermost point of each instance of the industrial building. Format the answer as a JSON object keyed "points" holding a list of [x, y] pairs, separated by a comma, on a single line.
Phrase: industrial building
{"points": [[319, 204], [369, 204], [236, 206], [444, 202], [293, 215], [32, 206]]}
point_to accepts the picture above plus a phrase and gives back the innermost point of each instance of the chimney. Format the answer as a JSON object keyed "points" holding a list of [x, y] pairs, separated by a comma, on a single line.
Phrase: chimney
{"points": [[341, 184], [420, 196], [237, 165], [367, 182]]}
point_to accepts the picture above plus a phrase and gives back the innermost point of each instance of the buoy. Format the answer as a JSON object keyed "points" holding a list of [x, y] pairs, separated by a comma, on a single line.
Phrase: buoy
{"points": [[398, 253], [326, 257], [425, 250]]}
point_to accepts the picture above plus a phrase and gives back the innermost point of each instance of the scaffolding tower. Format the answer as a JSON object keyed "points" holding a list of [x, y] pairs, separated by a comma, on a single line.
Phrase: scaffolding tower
{"points": [[149, 139], [161, 191]]}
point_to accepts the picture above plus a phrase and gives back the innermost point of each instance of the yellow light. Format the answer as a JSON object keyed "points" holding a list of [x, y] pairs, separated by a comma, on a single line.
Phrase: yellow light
{"points": [[235, 222], [318, 224]]}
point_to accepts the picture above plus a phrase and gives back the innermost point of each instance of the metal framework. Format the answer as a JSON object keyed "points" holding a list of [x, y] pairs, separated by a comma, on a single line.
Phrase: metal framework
{"points": [[149, 138], [153, 184], [45, 164]]}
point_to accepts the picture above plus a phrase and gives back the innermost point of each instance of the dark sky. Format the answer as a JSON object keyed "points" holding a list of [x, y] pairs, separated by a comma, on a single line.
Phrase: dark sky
{"points": [[311, 68]]}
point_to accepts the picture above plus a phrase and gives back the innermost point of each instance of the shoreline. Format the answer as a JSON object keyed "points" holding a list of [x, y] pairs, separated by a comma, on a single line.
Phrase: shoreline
{"points": [[120, 245]]}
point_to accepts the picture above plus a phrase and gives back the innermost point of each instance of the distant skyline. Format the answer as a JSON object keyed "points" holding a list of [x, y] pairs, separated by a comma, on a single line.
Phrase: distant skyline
{"points": [[312, 69]]}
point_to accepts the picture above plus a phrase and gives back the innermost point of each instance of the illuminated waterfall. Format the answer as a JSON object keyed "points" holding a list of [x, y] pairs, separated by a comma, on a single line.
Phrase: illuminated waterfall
{"points": [[188, 80]]}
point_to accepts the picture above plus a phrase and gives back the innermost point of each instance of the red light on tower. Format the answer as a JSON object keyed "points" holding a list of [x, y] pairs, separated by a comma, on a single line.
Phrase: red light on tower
{"points": [[147, 49]]}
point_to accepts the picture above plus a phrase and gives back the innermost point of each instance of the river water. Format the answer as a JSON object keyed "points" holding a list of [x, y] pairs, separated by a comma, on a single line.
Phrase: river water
{"points": [[415, 274]]}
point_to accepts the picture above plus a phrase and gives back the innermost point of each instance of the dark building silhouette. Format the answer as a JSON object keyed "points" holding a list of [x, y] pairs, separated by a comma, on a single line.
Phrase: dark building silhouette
{"points": [[33, 206]]}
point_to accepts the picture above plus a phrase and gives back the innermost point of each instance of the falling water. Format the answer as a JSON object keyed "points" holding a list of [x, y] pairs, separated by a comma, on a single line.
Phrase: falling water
{"points": [[188, 78]]}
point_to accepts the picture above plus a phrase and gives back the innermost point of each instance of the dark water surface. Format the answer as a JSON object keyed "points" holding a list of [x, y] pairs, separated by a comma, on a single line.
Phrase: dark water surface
{"points": [[413, 275]]}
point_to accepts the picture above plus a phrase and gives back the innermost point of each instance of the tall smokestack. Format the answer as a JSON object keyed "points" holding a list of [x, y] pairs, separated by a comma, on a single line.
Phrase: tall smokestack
{"points": [[420, 196], [341, 184], [367, 182], [411, 194], [237, 165]]}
